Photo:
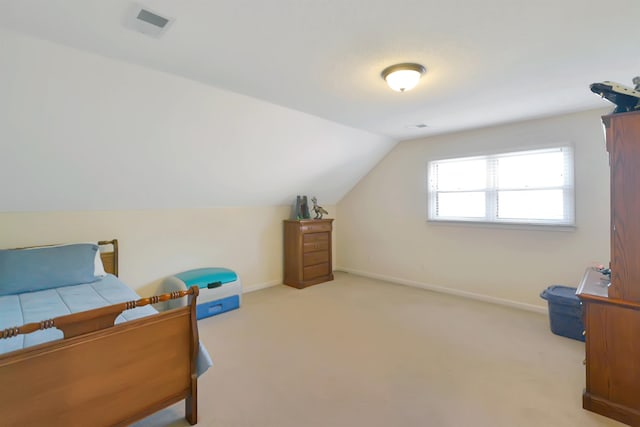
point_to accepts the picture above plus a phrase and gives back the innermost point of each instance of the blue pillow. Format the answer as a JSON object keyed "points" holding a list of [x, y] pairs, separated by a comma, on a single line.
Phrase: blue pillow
{"points": [[28, 270]]}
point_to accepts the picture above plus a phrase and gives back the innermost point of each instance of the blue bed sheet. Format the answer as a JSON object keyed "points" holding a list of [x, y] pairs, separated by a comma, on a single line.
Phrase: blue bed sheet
{"points": [[19, 309]]}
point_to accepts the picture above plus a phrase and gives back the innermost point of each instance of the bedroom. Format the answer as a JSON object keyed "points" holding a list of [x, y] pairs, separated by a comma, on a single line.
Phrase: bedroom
{"points": [[191, 174]]}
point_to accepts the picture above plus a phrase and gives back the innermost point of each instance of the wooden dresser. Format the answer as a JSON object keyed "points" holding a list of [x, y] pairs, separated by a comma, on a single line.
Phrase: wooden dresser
{"points": [[612, 313], [307, 252]]}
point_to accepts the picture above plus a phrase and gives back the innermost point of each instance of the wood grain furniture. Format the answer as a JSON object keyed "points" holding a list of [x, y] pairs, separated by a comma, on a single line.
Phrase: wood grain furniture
{"points": [[612, 312], [307, 252], [103, 374]]}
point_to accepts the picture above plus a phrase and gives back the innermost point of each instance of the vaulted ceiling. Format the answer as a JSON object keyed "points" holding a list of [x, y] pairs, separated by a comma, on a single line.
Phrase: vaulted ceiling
{"points": [[487, 62], [245, 103]]}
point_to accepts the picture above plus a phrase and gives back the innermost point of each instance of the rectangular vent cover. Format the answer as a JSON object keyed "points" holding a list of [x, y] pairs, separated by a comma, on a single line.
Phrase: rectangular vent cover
{"points": [[152, 18], [146, 21]]}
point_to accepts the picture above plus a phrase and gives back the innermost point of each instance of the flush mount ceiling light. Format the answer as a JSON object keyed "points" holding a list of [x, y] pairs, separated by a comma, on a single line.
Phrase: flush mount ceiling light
{"points": [[403, 77]]}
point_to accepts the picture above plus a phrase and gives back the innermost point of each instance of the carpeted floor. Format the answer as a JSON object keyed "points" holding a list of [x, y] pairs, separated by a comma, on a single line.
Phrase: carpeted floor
{"points": [[360, 352]]}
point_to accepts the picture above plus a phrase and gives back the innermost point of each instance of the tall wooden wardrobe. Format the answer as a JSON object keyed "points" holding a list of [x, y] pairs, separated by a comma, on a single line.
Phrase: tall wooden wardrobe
{"points": [[612, 313]]}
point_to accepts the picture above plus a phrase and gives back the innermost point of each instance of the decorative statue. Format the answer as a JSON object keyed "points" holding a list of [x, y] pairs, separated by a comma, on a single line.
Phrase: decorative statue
{"points": [[625, 98], [319, 210], [302, 208]]}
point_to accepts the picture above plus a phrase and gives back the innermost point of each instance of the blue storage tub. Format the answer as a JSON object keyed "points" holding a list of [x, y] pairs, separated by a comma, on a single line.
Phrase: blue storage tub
{"points": [[211, 308], [207, 277], [220, 290], [565, 311]]}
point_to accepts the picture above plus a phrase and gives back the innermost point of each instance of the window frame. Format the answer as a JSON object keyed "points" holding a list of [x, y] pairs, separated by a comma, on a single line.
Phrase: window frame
{"points": [[491, 190]]}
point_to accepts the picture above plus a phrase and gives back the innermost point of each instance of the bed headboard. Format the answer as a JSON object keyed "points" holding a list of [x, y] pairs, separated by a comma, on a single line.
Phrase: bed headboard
{"points": [[109, 258]]}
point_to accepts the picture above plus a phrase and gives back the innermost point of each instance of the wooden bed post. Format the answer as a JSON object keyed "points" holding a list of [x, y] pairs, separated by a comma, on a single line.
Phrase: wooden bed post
{"points": [[191, 402], [115, 257]]}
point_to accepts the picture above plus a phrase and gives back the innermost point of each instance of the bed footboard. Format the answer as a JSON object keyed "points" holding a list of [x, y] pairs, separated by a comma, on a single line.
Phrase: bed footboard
{"points": [[102, 374]]}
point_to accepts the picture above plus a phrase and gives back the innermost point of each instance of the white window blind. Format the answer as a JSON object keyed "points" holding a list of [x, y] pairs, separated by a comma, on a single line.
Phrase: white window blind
{"points": [[525, 187]]}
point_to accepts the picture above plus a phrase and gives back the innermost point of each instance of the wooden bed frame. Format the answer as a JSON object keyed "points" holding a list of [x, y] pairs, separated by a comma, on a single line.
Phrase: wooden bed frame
{"points": [[101, 373]]}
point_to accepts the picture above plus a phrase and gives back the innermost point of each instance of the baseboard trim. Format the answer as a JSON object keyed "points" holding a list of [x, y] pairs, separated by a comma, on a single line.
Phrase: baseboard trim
{"points": [[449, 291], [258, 286]]}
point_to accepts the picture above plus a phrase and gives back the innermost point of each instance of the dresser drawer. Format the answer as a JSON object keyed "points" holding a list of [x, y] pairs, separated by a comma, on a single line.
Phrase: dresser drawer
{"points": [[315, 237], [319, 245], [313, 258], [314, 271], [315, 227]]}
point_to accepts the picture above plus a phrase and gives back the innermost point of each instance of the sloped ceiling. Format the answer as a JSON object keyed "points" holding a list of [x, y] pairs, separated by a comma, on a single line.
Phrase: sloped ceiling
{"points": [[250, 103], [80, 131], [488, 62]]}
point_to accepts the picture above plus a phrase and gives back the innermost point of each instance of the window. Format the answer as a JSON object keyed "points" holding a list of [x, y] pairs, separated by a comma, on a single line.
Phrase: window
{"points": [[526, 187]]}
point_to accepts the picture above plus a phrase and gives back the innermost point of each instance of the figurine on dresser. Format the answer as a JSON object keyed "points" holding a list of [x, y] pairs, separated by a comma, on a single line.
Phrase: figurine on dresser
{"points": [[625, 98], [319, 210], [302, 208]]}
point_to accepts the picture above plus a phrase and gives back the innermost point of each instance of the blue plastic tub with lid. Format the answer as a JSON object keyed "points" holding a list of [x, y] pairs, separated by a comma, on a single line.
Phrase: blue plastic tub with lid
{"points": [[565, 311]]}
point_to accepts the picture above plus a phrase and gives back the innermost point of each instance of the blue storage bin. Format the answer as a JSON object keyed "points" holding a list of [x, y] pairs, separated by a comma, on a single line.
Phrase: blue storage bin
{"points": [[220, 290], [207, 277], [211, 308], [565, 311]]}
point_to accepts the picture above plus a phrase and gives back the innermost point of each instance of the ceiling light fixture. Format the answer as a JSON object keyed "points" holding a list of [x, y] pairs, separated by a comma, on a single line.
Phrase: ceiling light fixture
{"points": [[403, 77]]}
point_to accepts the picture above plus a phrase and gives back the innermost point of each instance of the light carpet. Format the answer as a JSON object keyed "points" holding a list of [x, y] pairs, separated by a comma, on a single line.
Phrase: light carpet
{"points": [[361, 352]]}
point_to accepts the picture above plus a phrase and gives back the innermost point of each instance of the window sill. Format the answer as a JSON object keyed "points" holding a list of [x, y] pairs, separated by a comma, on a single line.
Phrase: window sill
{"points": [[503, 225]]}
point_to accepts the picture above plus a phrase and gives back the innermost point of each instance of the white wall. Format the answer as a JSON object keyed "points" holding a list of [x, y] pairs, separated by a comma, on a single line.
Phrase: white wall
{"points": [[83, 132], [159, 243], [93, 148], [384, 233]]}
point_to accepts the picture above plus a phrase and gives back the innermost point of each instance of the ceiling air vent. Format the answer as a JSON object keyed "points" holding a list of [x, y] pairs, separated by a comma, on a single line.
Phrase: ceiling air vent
{"points": [[417, 126], [143, 20]]}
